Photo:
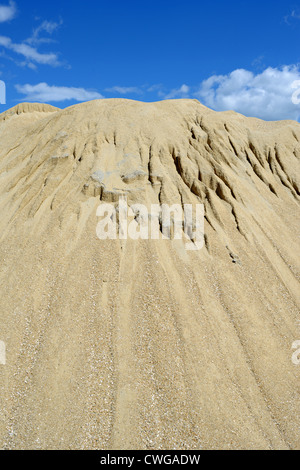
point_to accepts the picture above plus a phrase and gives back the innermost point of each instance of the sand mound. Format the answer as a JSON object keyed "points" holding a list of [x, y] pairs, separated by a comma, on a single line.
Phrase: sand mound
{"points": [[28, 108], [139, 343]]}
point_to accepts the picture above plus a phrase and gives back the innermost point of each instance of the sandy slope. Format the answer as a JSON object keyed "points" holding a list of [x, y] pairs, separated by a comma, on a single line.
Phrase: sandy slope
{"points": [[141, 344]]}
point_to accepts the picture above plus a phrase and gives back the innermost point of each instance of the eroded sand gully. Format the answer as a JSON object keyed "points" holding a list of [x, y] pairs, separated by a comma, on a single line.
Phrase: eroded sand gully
{"points": [[141, 344]]}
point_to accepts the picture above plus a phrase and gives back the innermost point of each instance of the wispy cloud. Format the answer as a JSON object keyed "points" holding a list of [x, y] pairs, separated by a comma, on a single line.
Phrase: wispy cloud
{"points": [[294, 15], [8, 12], [158, 87], [28, 48], [267, 95], [42, 92], [136, 90], [47, 27], [30, 53], [121, 90], [182, 92]]}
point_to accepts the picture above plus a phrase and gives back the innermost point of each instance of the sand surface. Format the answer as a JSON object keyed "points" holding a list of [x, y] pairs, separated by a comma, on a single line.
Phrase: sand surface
{"points": [[140, 344]]}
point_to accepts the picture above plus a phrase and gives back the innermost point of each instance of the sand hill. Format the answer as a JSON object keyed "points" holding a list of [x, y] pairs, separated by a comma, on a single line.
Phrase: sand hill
{"points": [[140, 344]]}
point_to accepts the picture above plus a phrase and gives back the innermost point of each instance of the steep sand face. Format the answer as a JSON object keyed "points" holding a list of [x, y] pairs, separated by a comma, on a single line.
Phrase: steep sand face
{"points": [[142, 344]]}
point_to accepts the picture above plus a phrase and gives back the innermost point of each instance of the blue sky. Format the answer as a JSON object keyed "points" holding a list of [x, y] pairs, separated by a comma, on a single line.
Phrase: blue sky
{"points": [[237, 55]]}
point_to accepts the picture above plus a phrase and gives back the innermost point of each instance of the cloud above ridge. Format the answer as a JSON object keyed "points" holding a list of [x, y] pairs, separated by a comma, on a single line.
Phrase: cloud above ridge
{"points": [[123, 90], [267, 95], [44, 93], [182, 92]]}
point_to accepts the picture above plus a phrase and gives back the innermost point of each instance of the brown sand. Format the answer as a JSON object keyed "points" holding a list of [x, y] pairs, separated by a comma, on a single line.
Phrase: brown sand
{"points": [[142, 344]]}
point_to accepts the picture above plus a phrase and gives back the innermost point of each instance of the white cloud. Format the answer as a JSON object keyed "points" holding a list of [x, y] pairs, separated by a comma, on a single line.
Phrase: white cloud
{"points": [[42, 92], [7, 12], [30, 53], [125, 90], [182, 92], [267, 95]]}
